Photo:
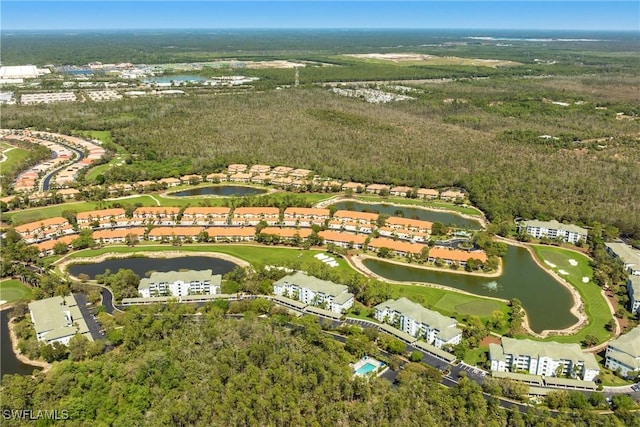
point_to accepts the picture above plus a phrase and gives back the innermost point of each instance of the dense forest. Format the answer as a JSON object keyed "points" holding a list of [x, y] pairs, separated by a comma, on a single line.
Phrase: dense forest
{"points": [[172, 368], [505, 140]]}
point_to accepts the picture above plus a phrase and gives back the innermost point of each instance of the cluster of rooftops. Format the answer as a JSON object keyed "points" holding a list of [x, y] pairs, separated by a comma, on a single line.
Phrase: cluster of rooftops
{"points": [[349, 229]]}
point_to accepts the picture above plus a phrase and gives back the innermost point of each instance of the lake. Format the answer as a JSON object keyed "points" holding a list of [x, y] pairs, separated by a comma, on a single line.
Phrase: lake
{"points": [[546, 301], [9, 363], [141, 265], [446, 218], [220, 190]]}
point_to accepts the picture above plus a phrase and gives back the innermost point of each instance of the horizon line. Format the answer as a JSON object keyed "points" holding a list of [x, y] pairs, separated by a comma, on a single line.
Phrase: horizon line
{"points": [[325, 28]]}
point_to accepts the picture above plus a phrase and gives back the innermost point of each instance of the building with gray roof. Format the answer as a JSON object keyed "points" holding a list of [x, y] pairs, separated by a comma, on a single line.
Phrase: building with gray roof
{"points": [[553, 230], [58, 319], [313, 291], [180, 283], [633, 289], [623, 353], [629, 256], [416, 320], [551, 359]]}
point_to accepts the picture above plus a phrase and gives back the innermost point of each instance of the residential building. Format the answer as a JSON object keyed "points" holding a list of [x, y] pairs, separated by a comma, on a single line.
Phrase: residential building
{"points": [[231, 234], [217, 215], [343, 239], [628, 255], [237, 168], [428, 193], [288, 233], [58, 319], [313, 291], [260, 169], [633, 289], [240, 177], [305, 217], [452, 195], [217, 177], [623, 353], [191, 179], [254, 215], [170, 182], [416, 320], [451, 256], [118, 235], [400, 191], [180, 283], [300, 173], [261, 179], [354, 216], [398, 247], [156, 215], [356, 187], [409, 224], [552, 359], [281, 170], [104, 218], [182, 233], [553, 230], [46, 229], [46, 248], [377, 189]]}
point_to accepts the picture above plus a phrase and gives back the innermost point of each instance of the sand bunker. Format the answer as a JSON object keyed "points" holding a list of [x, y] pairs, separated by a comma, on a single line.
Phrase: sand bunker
{"points": [[564, 273], [550, 264], [2, 301], [585, 280], [573, 262]]}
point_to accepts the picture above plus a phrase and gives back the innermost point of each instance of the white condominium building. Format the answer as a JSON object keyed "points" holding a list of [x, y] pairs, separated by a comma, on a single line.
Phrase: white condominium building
{"points": [[623, 353], [554, 230], [180, 283], [414, 319], [550, 359], [314, 291]]}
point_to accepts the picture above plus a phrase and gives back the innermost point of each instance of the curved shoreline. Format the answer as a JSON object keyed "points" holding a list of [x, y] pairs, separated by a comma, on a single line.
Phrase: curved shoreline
{"points": [[496, 273], [14, 346], [62, 263], [356, 263], [480, 218]]}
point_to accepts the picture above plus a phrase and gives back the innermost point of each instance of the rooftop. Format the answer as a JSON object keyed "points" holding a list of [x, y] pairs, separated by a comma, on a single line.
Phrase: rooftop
{"points": [[418, 313], [58, 317], [551, 349], [314, 284]]}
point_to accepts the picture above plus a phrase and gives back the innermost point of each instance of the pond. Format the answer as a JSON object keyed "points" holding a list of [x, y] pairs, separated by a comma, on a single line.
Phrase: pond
{"points": [[141, 265], [446, 218], [9, 363], [546, 301], [220, 190]]}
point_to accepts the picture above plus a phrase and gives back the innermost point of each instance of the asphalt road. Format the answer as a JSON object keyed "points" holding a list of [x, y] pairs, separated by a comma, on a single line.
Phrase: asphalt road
{"points": [[89, 318], [46, 181]]}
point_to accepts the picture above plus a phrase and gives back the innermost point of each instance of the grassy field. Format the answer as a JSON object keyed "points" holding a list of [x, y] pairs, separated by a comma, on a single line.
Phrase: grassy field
{"points": [[15, 156], [38, 214], [595, 304], [14, 290], [450, 303]]}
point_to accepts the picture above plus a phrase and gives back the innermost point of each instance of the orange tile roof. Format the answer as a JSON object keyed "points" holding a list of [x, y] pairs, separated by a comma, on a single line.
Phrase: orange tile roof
{"points": [[210, 210], [363, 216], [256, 211], [306, 212], [409, 223], [57, 221], [175, 231], [287, 232], [118, 232], [456, 254], [156, 210], [339, 236], [230, 231], [396, 245], [103, 213], [49, 244]]}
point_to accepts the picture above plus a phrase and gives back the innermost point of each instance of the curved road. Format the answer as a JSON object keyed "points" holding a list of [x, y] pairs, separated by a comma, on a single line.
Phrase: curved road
{"points": [[46, 180]]}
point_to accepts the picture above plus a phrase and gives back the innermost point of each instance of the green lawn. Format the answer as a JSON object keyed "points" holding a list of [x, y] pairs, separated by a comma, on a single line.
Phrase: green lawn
{"points": [[40, 213], [472, 357], [595, 304], [15, 157], [14, 290], [450, 303]]}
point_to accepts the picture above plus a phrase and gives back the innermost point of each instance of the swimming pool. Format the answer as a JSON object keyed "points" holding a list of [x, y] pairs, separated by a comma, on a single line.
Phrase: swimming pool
{"points": [[365, 369]]}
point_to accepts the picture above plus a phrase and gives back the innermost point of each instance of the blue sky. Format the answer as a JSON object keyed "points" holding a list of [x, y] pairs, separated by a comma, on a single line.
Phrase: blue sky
{"points": [[549, 15]]}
